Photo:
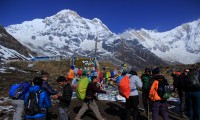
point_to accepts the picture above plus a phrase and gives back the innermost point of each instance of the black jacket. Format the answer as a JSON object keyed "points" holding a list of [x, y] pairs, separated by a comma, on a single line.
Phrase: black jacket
{"points": [[65, 99], [92, 89], [180, 82]]}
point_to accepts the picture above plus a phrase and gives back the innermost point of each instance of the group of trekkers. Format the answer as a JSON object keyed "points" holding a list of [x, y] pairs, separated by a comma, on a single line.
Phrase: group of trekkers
{"points": [[32, 99], [186, 83]]}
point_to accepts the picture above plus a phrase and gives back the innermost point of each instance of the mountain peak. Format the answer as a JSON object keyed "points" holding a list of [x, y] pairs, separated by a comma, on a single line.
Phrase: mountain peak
{"points": [[96, 20], [67, 12], [66, 32]]}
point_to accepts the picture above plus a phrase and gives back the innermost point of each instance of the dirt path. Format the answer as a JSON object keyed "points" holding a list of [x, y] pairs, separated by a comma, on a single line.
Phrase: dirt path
{"points": [[113, 111]]}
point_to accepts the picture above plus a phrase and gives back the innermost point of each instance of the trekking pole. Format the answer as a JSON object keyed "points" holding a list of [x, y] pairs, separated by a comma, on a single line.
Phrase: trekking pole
{"points": [[148, 109]]}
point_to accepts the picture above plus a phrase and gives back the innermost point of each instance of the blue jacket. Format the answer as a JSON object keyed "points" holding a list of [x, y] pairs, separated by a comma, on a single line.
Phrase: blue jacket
{"points": [[44, 101], [48, 88]]}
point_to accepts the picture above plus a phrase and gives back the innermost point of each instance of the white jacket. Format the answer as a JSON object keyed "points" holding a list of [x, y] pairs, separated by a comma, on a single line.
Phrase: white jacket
{"points": [[135, 82]]}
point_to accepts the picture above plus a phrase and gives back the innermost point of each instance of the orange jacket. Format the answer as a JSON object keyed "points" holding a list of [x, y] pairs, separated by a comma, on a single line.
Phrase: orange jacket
{"points": [[153, 95]]}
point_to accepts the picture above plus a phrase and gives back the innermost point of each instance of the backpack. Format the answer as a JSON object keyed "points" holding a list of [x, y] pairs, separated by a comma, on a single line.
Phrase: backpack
{"points": [[146, 81], [81, 88], [70, 74], [124, 87], [163, 90], [100, 75], [32, 107], [17, 90], [192, 80]]}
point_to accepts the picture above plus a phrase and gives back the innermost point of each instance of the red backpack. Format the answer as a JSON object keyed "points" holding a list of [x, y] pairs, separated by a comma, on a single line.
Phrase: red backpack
{"points": [[124, 87]]}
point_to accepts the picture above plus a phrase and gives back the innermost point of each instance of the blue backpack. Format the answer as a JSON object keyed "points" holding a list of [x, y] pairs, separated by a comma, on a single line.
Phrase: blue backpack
{"points": [[19, 89]]}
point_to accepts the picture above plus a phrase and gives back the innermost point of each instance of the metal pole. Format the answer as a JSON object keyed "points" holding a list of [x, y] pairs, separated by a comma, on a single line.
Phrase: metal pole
{"points": [[123, 52], [95, 53]]}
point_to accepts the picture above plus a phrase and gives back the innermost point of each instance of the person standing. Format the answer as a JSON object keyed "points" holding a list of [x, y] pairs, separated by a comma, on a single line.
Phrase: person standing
{"points": [[43, 100], [64, 99], [192, 89], [18, 103], [45, 85], [175, 75], [146, 80], [48, 88], [89, 101], [181, 92], [133, 101], [158, 103]]}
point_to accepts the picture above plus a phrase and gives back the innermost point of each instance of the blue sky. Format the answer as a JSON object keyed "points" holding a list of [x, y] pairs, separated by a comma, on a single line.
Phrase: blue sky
{"points": [[117, 15]]}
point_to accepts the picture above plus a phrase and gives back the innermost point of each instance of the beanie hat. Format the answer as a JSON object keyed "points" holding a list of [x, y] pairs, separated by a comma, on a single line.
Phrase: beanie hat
{"points": [[156, 70], [134, 68]]}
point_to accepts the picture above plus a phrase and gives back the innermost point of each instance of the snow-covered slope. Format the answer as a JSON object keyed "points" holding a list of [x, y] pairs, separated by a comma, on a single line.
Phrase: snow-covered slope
{"points": [[181, 44], [11, 48], [67, 32], [61, 34], [6, 53]]}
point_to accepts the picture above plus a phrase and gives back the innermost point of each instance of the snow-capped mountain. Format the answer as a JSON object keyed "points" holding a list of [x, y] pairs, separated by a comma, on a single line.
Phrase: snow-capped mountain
{"points": [[61, 34], [66, 33], [11, 48], [181, 44]]}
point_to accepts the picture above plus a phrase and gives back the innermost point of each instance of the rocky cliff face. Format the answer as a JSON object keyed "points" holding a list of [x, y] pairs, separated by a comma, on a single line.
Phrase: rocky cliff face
{"points": [[10, 47]]}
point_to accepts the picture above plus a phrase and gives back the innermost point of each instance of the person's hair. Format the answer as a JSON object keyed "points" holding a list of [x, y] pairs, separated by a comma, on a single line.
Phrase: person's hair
{"points": [[104, 68], [156, 71], [133, 72], [93, 77], [38, 81], [61, 79], [44, 74], [147, 70]]}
